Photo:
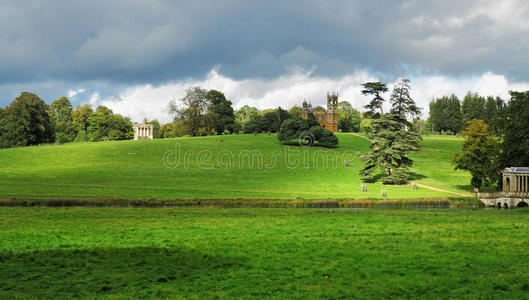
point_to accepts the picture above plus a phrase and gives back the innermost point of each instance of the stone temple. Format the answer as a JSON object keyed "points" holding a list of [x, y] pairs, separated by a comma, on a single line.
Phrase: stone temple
{"points": [[143, 132]]}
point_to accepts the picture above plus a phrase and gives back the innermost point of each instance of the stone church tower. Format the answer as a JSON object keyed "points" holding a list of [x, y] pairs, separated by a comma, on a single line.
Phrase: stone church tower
{"points": [[332, 112], [328, 118]]}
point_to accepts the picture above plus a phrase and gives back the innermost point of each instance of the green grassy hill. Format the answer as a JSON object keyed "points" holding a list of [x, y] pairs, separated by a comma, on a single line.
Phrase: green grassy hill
{"points": [[237, 166]]}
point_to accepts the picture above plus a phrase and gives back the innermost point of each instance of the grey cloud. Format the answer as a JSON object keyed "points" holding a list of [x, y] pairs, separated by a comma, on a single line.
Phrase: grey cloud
{"points": [[134, 42]]}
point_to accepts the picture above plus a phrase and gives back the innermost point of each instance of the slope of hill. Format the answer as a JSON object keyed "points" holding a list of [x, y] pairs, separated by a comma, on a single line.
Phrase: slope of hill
{"points": [[237, 166]]}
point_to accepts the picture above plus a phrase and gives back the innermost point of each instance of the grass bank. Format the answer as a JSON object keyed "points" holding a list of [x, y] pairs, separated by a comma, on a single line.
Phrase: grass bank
{"points": [[228, 167]]}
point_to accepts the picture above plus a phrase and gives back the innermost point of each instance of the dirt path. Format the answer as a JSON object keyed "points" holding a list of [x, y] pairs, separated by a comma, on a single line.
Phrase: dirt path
{"points": [[424, 185], [360, 136], [442, 190]]}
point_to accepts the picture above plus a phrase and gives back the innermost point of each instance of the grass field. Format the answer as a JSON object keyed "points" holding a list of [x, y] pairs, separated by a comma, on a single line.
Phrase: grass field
{"points": [[297, 253], [238, 166]]}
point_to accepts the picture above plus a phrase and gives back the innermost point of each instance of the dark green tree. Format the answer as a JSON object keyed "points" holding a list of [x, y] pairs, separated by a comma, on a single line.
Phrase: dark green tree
{"points": [[62, 118], [375, 89], [225, 117], [402, 103], [26, 122], [515, 145], [494, 109], [473, 107], [390, 145], [480, 154], [306, 132], [348, 118], [445, 114], [81, 114], [194, 106]]}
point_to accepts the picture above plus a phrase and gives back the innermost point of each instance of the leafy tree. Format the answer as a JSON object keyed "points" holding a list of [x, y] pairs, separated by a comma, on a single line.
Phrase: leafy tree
{"points": [[61, 116], [402, 103], [515, 145], [194, 107], [245, 114], [295, 110], [493, 112], [26, 122], [270, 121], [81, 115], [375, 89], [156, 134], [104, 125], [307, 132], [445, 114], [348, 118], [473, 107], [480, 154], [390, 145], [365, 124], [225, 117]]}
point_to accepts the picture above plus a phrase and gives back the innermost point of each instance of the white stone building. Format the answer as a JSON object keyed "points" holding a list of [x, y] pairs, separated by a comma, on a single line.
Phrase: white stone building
{"points": [[143, 132]]}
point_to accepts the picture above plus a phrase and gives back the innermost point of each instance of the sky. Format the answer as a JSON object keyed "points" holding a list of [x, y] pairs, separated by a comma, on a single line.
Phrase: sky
{"points": [[134, 56]]}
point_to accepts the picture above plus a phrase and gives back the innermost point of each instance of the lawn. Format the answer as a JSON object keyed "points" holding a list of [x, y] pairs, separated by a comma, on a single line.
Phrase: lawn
{"points": [[276, 253], [433, 164], [237, 166]]}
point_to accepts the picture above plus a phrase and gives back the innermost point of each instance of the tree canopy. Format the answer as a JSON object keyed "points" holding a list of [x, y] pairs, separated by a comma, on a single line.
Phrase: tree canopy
{"points": [[375, 89], [26, 122]]}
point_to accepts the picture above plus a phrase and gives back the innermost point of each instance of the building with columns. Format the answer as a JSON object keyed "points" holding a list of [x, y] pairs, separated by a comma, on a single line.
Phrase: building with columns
{"points": [[143, 132], [515, 179]]}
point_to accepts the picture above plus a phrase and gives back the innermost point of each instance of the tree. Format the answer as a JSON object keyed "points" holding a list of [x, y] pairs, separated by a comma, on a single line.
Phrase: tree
{"points": [[155, 128], [194, 107], [375, 89], [445, 114], [245, 114], [348, 118], [81, 115], [295, 110], [225, 117], [390, 145], [515, 145], [62, 118], [104, 125], [306, 132], [473, 107], [270, 121], [480, 154], [402, 103], [26, 122], [494, 109]]}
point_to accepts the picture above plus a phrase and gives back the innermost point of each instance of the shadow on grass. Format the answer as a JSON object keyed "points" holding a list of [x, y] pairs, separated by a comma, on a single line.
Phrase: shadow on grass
{"points": [[415, 176], [466, 187], [108, 271]]}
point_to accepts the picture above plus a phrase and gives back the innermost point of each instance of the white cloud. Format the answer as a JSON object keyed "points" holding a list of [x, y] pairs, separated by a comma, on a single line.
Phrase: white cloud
{"points": [[148, 101], [94, 99], [73, 93]]}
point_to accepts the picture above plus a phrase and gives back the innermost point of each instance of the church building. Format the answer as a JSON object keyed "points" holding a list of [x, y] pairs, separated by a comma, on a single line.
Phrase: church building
{"points": [[328, 118]]}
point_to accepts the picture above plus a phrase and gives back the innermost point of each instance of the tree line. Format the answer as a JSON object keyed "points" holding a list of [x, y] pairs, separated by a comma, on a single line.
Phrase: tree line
{"points": [[496, 136], [449, 115], [28, 120]]}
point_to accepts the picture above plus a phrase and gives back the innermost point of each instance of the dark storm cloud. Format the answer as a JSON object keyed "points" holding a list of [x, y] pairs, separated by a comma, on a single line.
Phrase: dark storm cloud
{"points": [[139, 41]]}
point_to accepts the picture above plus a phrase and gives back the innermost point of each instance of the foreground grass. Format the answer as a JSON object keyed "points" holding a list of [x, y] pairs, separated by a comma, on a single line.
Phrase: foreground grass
{"points": [[295, 253], [238, 166]]}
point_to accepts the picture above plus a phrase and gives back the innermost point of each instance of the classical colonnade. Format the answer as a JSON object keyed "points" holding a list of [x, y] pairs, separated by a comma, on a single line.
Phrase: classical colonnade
{"points": [[143, 131], [516, 183]]}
